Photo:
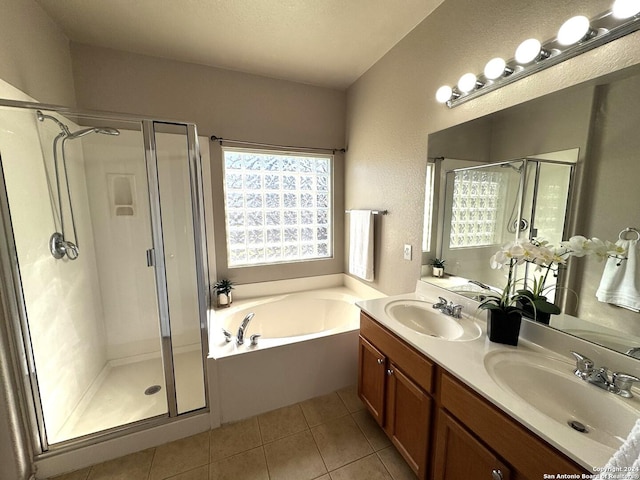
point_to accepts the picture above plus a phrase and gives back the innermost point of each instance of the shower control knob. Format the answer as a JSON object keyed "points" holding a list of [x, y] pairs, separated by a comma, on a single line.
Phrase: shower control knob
{"points": [[496, 475]]}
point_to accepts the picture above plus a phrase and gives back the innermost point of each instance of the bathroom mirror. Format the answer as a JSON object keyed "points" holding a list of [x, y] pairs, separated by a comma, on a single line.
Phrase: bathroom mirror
{"points": [[592, 126]]}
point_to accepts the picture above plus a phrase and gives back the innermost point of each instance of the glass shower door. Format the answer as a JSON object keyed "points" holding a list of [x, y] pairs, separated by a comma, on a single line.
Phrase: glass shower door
{"points": [[177, 173]]}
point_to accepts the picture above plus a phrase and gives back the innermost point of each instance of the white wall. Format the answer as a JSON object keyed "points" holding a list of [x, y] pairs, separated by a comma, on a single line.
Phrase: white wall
{"points": [[391, 109]]}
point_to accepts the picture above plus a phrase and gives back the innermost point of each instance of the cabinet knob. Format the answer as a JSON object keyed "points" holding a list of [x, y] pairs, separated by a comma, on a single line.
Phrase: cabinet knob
{"points": [[389, 372], [380, 361], [496, 475]]}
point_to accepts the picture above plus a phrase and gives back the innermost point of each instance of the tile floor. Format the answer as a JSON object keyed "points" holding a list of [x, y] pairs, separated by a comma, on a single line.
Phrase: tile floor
{"points": [[330, 437]]}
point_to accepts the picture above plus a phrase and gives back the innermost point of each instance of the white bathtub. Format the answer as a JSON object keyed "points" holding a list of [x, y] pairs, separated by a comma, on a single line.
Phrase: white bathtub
{"points": [[285, 319], [308, 347]]}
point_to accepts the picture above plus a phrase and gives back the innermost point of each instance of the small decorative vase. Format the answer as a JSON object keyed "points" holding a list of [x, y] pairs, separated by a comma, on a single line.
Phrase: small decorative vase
{"points": [[438, 272], [224, 300], [504, 327]]}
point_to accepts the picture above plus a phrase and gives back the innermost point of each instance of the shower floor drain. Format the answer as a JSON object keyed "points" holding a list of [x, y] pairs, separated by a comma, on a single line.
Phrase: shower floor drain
{"points": [[579, 427], [152, 389]]}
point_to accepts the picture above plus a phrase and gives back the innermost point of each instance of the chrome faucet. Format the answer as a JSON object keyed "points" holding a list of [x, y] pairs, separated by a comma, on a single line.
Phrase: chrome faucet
{"points": [[243, 328], [618, 383], [480, 284], [448, 308]]}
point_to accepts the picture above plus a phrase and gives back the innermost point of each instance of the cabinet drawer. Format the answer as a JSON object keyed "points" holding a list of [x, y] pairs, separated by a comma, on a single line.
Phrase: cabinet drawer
{"points": [[528, 454], [412, 363]]}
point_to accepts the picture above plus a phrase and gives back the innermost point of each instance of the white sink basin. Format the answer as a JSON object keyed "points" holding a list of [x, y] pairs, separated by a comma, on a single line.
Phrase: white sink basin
{"points": [[549, 385], [420, 317]]}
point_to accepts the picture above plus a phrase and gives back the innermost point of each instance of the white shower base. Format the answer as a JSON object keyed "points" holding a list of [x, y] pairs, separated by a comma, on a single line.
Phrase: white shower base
{"points": [[117, 396]]}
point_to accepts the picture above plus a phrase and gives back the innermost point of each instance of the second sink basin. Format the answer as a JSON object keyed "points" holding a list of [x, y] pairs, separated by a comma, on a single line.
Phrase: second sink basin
{"points": [[420, 317], [548, 385]]}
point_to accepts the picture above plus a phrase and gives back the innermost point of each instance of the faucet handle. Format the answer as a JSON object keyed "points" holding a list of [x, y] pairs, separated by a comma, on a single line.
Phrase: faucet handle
{"points": [[456, 311], [227, 335], [624, 382], [584, 365], [254, 339]]}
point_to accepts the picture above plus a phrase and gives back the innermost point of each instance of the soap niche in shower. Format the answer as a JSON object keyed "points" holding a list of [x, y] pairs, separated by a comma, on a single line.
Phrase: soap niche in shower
{"points": [[122, 190]]}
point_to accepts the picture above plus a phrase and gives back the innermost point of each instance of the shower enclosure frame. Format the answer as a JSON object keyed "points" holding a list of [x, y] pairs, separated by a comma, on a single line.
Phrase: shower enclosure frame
{"points": [[20, 358]]}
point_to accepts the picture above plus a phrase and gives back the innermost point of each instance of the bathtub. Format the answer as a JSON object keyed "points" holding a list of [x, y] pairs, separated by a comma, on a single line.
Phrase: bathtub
{"points": [[308, 346], [290, 318]]}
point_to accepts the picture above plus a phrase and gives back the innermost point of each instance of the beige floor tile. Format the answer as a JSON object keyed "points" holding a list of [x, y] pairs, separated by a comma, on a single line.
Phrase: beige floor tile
{"points": [[281, 423], [180, 456], [249, 465], [294, 458], [200, 473], [234, 438], [131, 467], [77, 475], [340, 441], [374, 433], [350, 398], [324, 477], [395, 464], [322, 409], [367, 468]]}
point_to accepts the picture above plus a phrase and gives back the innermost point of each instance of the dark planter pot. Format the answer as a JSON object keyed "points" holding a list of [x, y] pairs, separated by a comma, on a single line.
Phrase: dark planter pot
{"points": [[537, 315], [504, 327]]}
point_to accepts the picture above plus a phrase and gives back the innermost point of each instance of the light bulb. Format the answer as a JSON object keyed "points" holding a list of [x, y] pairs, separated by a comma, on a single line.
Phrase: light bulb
{"points": [[625, 8], [573, 30], [494, 68], [467, 82], [528, 51], [444, 94]]}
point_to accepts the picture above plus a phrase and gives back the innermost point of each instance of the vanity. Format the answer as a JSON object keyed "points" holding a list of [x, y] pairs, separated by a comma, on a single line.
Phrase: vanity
{"points": [[461, 407]]}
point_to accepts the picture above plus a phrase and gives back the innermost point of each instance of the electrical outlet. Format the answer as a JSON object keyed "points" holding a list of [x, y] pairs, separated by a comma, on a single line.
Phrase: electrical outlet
{"points": [[407, 251]]}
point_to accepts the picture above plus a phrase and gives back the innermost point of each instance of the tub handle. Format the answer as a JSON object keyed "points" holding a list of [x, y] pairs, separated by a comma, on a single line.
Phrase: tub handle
{"points": [[227, 335], [254, 339]]}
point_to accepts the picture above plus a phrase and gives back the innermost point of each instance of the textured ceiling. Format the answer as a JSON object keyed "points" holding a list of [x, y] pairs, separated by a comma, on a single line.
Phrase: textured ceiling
{"points": [[322, 42]]}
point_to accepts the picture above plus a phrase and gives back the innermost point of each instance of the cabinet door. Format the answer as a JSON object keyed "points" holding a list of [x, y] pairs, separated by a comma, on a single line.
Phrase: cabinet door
{"points": [[408, 421], [371, 377], [459, 456]]}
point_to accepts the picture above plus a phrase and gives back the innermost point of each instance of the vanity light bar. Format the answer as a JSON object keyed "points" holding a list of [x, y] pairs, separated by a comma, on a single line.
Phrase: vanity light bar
{"points": [[576, 36]]}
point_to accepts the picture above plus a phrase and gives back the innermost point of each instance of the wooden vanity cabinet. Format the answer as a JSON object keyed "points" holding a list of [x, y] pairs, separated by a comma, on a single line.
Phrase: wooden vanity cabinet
{"points": [[393, 382], [469, 437]]}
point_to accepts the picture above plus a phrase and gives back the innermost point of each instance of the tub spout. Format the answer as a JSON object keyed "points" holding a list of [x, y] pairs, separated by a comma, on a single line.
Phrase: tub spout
{"points": [[243, 328]]}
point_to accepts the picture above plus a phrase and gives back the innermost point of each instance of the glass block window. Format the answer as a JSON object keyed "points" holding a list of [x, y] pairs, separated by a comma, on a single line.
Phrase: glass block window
{"points": [[477, 208], [278, 207]]}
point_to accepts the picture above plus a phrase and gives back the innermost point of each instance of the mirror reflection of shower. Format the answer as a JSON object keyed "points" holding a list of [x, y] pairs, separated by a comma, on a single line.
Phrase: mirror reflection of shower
{"points": [[514, 224], [59, 243]]}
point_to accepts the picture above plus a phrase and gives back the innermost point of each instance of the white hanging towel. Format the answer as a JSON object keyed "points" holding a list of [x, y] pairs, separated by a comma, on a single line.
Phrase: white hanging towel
{"points": [[625, 463], [620, 283], [361, 244]]}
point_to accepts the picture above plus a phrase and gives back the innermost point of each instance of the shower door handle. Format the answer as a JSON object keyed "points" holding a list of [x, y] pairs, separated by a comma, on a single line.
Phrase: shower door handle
{"points": [[151, 258]]}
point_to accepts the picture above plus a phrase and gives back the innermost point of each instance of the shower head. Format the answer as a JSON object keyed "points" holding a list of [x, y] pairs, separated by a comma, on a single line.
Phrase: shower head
{"points": [[87, 131]]}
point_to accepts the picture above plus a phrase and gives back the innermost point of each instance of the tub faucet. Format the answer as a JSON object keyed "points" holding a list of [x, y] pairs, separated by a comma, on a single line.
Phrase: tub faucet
{"points": [[243, 328]]}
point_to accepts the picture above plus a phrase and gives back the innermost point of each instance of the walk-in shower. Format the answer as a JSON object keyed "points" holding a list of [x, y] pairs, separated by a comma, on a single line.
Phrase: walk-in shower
{"points": [[58, 243], [112, 341]]}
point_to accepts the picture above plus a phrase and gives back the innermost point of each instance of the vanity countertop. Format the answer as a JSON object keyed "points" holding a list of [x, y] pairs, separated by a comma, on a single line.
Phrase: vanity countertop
{"points": [[466, 360]]}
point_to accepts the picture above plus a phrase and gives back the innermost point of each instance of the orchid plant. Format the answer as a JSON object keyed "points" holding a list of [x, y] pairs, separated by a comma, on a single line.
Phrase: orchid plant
{"points": [[546, 257]]}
